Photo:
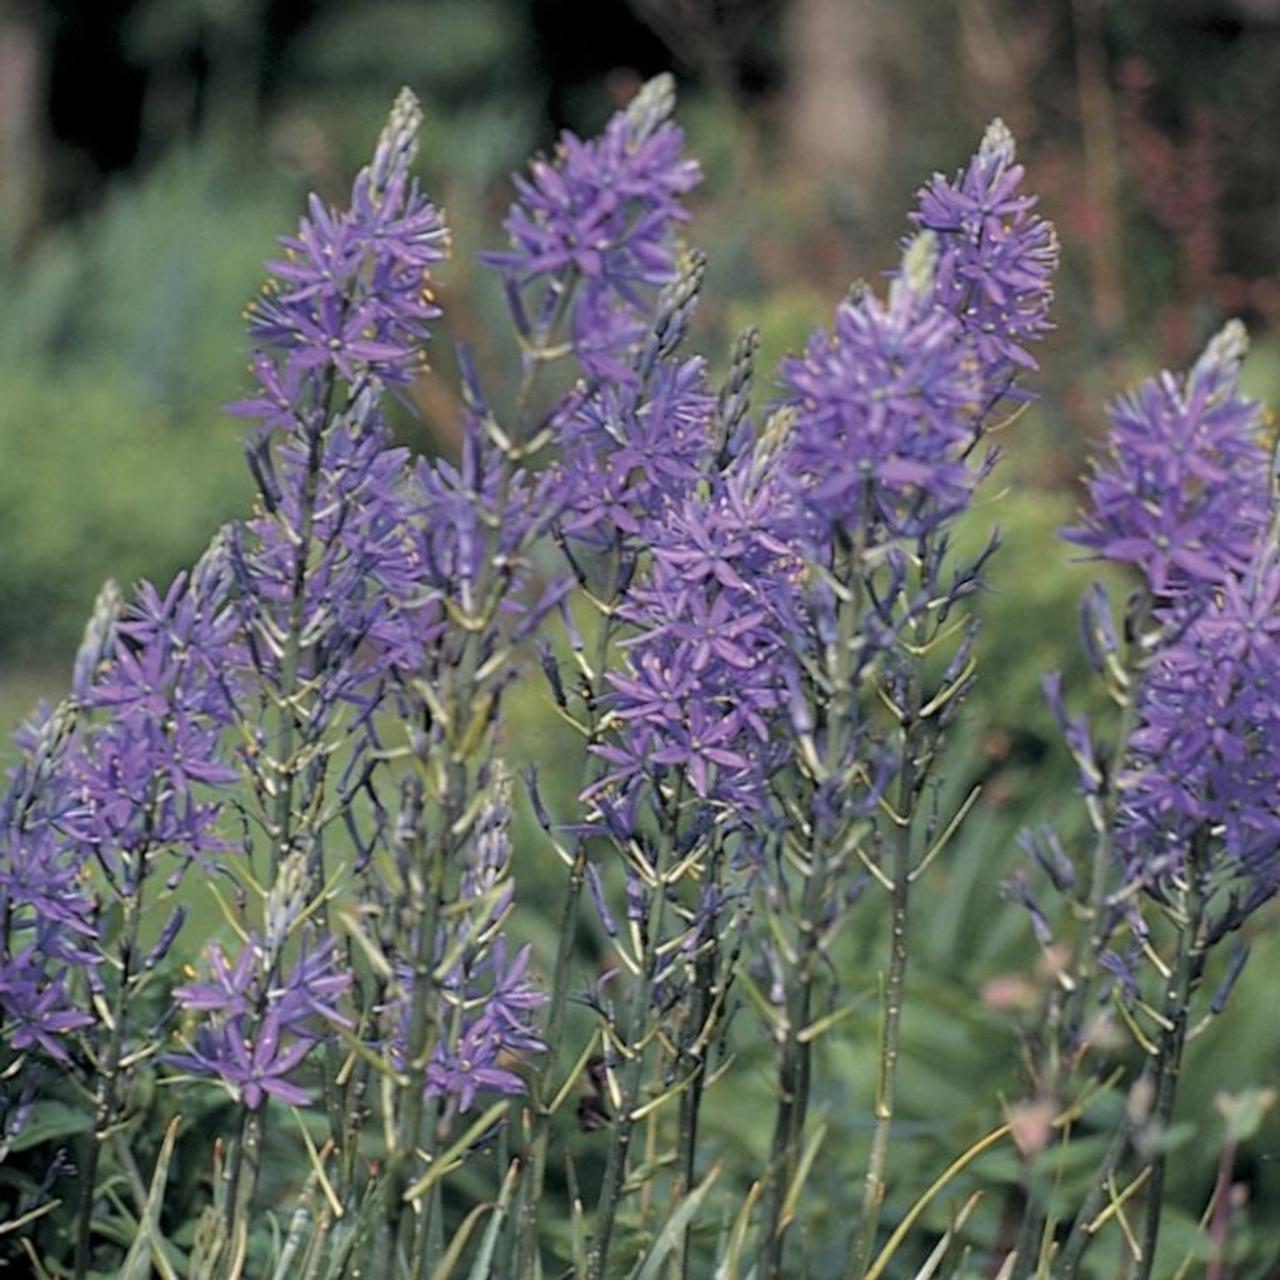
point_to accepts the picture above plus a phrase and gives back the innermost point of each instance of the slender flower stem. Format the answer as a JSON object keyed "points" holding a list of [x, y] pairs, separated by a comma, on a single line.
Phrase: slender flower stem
{"points": [[427, 1239], [1090, 943], [1162, 1076], [109, 1075], [1080, 1237], [1186, 975], [891, 1026], [793, 1078], [1087, 947], [795, 1062], [243, 1183], [280, 824], [420, 1042], [422, 1029], [687, 1148], [282, 818], [633, 1044], [535, 1162], [707, 999]]}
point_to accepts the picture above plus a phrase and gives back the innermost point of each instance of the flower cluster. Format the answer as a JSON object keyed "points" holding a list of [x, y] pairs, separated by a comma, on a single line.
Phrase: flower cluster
{"points": [[484, 1000], [1181, 490], [597, 219], [331, 546], [259, 1022], [1206, 752], [47, 915], [996, 260], [475, 520], [885, 407], [352, 295], [707, 664], [631, 451], [1185, 801], [140, 769]]}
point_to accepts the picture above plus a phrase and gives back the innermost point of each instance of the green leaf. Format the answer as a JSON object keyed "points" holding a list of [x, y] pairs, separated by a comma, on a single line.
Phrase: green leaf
{"points": [[149, 1246], [481, 1268], [673, 1230], [48, 1122], [454, 1156]]}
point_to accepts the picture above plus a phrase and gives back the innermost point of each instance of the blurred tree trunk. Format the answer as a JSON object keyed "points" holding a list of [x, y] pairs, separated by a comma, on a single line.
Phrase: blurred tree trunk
{"points": [[21, 75], [838, 113]]}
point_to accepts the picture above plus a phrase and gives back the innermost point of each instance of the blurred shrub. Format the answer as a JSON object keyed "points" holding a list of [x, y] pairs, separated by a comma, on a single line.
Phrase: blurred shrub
{"points": [[118, 342]]}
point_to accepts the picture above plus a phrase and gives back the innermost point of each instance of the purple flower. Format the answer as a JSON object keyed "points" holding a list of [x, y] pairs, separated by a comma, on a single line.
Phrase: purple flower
{"points": [[1206, 752], [631, 453], [482, 1057], [38, 1010], [477, 1063], [1181, 490], [365, 607], [257, 1027], [885, 407], [996, 257], [352, 294], [229, 989], [252, 1069], [708, 661], [483, 1007], [313, 987], [601, 213], [48, 918]]}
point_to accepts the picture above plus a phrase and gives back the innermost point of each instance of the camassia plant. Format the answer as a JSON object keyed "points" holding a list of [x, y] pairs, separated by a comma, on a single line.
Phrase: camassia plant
{"points": [[754, 618]]}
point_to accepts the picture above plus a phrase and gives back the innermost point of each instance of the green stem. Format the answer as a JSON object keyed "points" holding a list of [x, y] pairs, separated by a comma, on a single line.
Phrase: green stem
{"points": [[1186, 974], [687, 1152], [427, 1242], [280, 823], [793, 1076], [242, 1185], [535, 1162], [1068, 1263], [873, 1187], [1087, 947], [290, 662], [1162, 1076], [109, 1076], [420, 1043], [795, 1061], [706, 1007], [634, 1045]]}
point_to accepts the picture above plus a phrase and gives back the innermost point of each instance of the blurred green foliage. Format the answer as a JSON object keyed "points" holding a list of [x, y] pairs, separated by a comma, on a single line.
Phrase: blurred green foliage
{"points": [[119, 343]]}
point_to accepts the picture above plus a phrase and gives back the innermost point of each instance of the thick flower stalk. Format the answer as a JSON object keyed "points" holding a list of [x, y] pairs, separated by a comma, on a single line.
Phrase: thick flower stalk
{"points": [[471, 529], [328, 583]]}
